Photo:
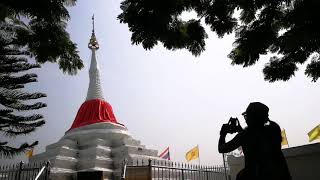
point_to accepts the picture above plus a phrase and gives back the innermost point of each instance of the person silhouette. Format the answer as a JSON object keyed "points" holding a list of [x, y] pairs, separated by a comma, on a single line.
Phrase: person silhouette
{"points": [[261, 145]]}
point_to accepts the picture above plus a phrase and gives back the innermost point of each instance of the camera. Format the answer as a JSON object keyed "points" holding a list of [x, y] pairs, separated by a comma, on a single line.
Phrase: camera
{"points": [[234, 125]]}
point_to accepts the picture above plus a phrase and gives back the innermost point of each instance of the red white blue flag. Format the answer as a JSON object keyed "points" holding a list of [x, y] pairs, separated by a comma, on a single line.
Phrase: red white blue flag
{"points": [[165, 154]]}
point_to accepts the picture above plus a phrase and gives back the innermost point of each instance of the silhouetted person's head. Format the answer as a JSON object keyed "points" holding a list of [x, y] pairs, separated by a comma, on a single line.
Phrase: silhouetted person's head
{"points": [[256, 114]]}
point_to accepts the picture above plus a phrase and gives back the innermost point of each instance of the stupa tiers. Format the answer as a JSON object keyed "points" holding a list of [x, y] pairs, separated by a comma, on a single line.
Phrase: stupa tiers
{"points": [[95, 141]]}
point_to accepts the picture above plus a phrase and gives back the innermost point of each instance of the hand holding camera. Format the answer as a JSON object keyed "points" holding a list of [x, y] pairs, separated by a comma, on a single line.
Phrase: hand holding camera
{"points": [[231, 127]]}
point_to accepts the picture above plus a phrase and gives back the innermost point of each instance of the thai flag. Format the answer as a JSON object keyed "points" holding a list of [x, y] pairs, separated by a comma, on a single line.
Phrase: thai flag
{"points": [[165, 154]]}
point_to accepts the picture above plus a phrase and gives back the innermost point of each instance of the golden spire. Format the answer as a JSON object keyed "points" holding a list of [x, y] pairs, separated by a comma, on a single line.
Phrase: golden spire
{"points": [[93, 43]]}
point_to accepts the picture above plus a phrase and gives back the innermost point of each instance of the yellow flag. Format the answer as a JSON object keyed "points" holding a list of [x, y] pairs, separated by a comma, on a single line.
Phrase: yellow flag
{"points": [[29, 153], [193, 154], [284, 138], [314, 133]]}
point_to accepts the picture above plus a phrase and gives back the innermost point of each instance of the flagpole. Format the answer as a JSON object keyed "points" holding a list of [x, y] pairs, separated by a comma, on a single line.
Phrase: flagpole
{"points": [[224, 165], [198, 154], [287, 140]]}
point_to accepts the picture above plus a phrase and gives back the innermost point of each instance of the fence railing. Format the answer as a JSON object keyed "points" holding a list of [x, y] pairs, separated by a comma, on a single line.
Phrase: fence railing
{"points": [[157, 169], [23, 171]]}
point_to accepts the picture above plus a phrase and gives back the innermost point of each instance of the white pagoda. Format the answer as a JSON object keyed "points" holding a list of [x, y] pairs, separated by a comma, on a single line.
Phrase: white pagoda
{"points": [[95, 141]]}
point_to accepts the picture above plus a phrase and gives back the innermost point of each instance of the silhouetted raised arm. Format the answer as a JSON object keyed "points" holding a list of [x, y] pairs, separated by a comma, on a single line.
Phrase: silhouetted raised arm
{"points": [[225, 147]]}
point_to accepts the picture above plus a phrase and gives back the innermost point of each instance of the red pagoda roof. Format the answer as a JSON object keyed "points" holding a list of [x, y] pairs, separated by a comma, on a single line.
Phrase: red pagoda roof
{"points": [[94, 111]]}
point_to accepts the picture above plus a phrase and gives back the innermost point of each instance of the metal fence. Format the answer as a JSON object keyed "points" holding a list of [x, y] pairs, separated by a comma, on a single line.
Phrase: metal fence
{"points": [[21, 171], [159, 170]]}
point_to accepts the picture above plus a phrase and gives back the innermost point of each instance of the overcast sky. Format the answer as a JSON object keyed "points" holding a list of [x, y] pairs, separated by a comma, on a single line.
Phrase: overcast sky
{"points": [[169, 98]]}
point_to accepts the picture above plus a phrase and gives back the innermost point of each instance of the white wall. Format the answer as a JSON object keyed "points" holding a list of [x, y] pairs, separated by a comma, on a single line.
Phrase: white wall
{"points": [[303, 162]]}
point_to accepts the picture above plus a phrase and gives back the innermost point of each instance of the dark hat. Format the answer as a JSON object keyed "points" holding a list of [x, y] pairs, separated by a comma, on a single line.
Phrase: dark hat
{"points": [[256, 108]]}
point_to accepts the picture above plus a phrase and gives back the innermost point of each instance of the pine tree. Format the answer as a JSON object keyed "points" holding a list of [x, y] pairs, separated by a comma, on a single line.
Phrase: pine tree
{"points": [[13, 100], [30, 29], [287, 28]]}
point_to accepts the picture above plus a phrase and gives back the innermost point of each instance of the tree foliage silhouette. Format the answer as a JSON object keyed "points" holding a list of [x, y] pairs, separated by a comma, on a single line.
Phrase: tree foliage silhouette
{"points": [[287, 28], [30, 29], [45, 36]]}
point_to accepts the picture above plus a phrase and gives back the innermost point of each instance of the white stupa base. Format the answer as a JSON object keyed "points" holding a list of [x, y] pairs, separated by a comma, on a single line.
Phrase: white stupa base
{"points": [[95, 147]]}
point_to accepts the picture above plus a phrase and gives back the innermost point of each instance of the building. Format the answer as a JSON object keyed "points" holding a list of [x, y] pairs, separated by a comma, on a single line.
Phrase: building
{"points": [[302, 162], [96, 141]]}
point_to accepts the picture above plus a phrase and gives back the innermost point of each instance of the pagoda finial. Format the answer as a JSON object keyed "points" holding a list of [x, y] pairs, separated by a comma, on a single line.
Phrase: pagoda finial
{"points": [[95, 89], [93, 43], [93, 24]]}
